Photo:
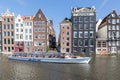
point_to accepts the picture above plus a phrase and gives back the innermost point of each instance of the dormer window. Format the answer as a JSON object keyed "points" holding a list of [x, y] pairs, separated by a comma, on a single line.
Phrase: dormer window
{"points": [[28, 18], [113, 15], [19, 20]]}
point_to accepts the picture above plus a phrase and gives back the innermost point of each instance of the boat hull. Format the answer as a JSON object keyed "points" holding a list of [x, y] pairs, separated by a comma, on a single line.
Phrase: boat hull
{"points": [[81, 60]]}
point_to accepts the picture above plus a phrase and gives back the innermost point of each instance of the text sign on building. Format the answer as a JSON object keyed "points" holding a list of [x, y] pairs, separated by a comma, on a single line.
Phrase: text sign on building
{"points": [[83, 14]]}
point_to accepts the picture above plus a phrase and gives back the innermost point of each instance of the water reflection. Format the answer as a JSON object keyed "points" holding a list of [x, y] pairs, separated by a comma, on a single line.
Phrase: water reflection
{"points": [[100, 68]]}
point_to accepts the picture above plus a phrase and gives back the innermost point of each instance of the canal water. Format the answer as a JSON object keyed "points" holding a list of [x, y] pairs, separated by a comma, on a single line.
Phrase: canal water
{"points": [[100, 68]]}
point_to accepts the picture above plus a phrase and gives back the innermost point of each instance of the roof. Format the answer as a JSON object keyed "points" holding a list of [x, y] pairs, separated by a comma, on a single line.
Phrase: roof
{"points": [[105, 19], [66, 20]]}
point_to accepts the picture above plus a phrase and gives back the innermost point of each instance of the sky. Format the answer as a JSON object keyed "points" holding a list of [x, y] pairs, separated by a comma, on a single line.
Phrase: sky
{"points": [[57, 10]]}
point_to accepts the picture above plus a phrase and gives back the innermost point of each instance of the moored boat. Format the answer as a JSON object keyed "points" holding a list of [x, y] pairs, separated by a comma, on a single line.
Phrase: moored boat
{"points": [[67, 59]]}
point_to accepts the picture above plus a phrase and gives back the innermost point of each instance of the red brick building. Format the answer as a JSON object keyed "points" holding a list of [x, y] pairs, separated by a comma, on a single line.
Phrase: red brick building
{"points": [[39, 32]]}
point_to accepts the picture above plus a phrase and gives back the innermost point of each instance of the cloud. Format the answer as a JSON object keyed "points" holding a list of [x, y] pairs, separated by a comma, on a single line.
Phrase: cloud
{"points": [[103, 4], [21, 2]]}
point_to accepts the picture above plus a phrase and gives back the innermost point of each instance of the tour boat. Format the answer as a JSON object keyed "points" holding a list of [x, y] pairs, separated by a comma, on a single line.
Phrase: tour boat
{"points": [[66, 59]]}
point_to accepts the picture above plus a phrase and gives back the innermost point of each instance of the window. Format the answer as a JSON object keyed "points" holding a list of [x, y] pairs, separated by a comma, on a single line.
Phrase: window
{"points": [[26, 30], [117, 34], [28, 18], [30, 37], [43, 29], [12, 41], [12, 48], [80, 42], [80, 19], [11, 26], [113, 15], [5, 48], [67, 33], [91, 34], [113, 21], [17, 36], [21, 43], [75, 34], [110, 43], [67, 44], [8, 20], [91, 42], [68, 27], [27, 23], [113, 27], [4, 19], [19, 20], [11, 19], [26, 37], [43, 36], [8, 26], [21, 25], [118, 20], [86, 26], [75, 42], [109, 27], [39, 22], [21, 36], [4, 26], [17, 25], [80, 26], [103, 44], [67, 50], [99, 44], [118, 27], [92, 19], [21, 30], [30, 30], [17, 44], [8, 41], [35, 29], [68, 38], [92, 26], [86, 19], [36, 36], [9, 49], [12, 33], [75, 26], [30, 23], [4, 33], [85, 42], [113, 43], [86, 34], [75, 50], [91, 49], [17, 30], [109, 20], [80, 34], [75, 19], [8, 33], [118, 43], [4, 41]]}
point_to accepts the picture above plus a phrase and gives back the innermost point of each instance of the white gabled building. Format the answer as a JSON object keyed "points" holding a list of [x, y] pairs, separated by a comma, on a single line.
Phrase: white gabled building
{"points": [[19, 34], [28, 33]]}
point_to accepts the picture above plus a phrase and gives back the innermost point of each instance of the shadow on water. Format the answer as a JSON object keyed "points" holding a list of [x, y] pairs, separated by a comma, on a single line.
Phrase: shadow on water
{"points": [[99, 68]]}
